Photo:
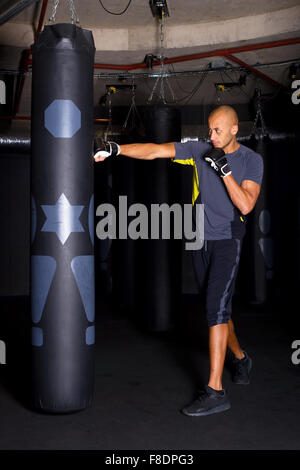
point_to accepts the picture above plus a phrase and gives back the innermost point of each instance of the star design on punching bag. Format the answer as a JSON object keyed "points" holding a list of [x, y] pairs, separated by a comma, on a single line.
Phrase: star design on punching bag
{"points": [[62, 218]]}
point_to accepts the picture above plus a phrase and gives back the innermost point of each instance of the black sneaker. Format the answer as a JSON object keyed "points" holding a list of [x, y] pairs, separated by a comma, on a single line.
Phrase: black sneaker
{"points": [[208, 402], [241, 370]]}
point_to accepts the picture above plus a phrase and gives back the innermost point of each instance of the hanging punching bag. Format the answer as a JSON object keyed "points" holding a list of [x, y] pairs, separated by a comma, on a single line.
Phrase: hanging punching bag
{"points": [[261, 229], [62, 261], [124, 249], [160, 260], [103, 256]]}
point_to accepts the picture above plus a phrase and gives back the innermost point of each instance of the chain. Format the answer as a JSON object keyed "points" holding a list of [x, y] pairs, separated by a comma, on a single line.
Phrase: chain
{"points": [[74, 16], [55, 5], [160, 78], [171, 89], [162, 64], [162, 85], [153, 90], [258, 116], [255, 122], [133, 112], [109, 126], [162, 37]]}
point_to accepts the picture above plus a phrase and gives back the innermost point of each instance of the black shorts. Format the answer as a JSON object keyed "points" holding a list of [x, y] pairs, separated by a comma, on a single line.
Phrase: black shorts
{"points": [[216, 266]]}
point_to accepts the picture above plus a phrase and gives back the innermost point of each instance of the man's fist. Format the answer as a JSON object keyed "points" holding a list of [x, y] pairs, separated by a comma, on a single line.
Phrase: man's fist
{"points": [[104, 149], [217, 160]]}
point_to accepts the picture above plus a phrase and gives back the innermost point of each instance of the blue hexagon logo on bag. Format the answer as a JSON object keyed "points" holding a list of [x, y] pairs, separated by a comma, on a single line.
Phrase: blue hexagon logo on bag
{"points": [[62, 118]]}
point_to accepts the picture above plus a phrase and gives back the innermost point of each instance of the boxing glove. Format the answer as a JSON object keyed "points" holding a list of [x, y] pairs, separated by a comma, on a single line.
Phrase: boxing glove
{"points": [[218, 161], [105, 149]]}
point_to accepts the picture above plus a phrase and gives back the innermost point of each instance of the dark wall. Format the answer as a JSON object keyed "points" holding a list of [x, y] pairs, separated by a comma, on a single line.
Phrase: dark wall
{"points": [[15, 206], [190, 115], [15, 224]]}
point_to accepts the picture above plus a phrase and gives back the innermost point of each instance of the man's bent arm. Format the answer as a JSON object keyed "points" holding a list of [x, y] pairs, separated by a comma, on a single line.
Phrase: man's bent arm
{"points": [[243, 196], [148, 151]]}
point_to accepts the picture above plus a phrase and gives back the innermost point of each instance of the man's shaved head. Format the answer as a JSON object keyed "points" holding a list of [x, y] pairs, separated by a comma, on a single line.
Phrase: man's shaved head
{"points": [[227, 111], [223, 125]]}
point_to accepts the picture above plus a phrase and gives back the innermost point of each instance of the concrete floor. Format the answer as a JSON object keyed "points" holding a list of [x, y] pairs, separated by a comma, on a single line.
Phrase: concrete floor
{"points": [[143, 380]]}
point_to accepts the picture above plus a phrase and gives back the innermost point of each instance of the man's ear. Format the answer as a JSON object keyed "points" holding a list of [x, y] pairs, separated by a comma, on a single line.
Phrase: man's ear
{"points": [[234, 129]]}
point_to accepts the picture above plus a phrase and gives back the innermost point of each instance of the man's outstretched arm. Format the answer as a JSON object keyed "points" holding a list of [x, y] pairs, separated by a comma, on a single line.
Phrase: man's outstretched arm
{"points": [[142, 151], [148, 151]]}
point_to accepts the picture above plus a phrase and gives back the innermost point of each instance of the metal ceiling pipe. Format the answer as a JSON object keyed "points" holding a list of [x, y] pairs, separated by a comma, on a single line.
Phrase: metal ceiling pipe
{"points": [[18, 118], [273, 135], [219, 52], [28, 118], [41, 19], [203, 55], [25, 58], [21, 80], [15, 144], [22, 144], [11, 8], [200, 55], [253, 70]]}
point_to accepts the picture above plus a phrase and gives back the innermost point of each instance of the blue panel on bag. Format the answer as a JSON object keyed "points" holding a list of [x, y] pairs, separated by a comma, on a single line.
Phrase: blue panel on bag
{"points": [[62, 118], [91, 219], [42, 273], [90, 335], [62, 218], [83, 270], [37, 336]]}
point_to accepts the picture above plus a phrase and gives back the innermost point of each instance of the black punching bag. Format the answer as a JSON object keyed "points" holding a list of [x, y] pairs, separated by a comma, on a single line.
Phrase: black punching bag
{"points": [[124, 249], [103, 256], [261, 228], [62, 254], [160, 260]]}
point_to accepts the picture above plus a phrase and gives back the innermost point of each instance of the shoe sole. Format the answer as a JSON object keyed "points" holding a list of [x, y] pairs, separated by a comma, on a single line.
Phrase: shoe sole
{"points": [[249, 369], [217, 409]]}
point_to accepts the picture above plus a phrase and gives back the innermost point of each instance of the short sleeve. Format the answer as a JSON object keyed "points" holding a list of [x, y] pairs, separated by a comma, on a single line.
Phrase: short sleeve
{"points": [[254, 168], [190, 150]]}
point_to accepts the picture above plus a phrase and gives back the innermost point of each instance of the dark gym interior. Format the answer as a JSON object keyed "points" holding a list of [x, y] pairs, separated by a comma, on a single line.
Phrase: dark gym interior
{"points": [[150, 353]]}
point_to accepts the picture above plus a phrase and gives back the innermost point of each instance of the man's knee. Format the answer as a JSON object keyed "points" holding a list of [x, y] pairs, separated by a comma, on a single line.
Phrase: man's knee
{"points": [[215, 319]]}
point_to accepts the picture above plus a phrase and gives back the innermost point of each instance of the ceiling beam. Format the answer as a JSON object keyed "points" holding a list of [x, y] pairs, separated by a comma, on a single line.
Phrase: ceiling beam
{"points": [[11, 8]]}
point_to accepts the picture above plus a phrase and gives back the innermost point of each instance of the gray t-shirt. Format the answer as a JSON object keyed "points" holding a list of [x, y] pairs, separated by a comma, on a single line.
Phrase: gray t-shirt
{"points": [[222, 220]]}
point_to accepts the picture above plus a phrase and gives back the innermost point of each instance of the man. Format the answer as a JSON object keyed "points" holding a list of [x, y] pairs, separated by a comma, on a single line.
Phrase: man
{"points": [[228, 177]]}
